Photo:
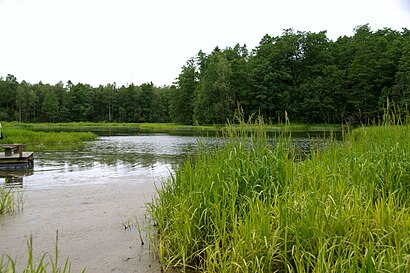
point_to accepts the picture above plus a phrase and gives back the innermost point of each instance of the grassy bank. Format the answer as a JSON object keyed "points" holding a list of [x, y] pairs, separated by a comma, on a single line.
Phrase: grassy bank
{"points": [[171, 127], [252, 206], [37, 140], [10, 200]]}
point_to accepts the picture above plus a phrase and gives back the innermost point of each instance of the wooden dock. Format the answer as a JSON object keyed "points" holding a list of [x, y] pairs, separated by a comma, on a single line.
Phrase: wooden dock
{"points": [[15, 159]]}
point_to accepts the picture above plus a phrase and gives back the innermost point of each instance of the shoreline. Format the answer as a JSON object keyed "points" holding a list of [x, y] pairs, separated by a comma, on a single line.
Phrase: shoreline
{"points": [[90, 222]]}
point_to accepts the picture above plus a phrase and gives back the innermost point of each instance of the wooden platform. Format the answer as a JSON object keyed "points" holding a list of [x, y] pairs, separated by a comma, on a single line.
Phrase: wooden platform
{"points": [[17, 160]]}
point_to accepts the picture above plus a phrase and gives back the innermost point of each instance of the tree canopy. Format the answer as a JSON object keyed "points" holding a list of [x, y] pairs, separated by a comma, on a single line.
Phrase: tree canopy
{"points": [[307, 75]]}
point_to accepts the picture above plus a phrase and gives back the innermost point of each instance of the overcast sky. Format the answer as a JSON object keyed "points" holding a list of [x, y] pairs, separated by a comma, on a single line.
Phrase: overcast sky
{"points": [[133, 41]]}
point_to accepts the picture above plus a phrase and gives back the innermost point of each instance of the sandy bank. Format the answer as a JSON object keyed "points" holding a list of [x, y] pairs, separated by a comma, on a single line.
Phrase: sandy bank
{"points": [[89, 219]]}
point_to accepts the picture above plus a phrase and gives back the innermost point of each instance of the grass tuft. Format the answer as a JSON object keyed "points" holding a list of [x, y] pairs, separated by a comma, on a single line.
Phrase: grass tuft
{"points": [[40, 140], [9, 265], [11, 200], [251, 205]]}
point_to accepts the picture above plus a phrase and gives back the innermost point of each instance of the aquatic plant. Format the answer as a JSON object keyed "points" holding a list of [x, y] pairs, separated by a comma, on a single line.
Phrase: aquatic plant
{"points": [[170, 128], [43, 265], [35, 140], [11, 200], [6, 200], [250, 206]]}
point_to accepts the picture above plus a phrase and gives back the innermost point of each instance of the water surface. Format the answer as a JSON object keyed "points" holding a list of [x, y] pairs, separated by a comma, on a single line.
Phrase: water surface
{"points": [[110, 159], [113, 158]]}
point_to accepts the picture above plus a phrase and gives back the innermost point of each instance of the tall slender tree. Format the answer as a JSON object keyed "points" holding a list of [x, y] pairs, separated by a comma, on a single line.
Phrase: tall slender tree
{"points": [[182, 99]]}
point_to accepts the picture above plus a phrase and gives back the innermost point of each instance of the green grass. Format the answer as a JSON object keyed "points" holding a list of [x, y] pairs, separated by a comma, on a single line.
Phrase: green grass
{"points": [[37, 140], [47, 262], [254, 206], [171, 127], [11, 200], [8, 201]]}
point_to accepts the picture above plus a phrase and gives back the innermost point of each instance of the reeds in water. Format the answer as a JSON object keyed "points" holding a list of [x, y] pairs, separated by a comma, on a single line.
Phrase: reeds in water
{"points": [[250, 206], [11, 200], [35, 139], [43, 265], [6, 200]]}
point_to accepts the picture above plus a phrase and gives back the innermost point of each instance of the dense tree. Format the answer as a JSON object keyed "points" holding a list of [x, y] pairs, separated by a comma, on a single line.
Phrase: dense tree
{"points": [[182, 99], [79, 101], [50, 107], [215, 99], [400, 91], [305, 74], [8, 90], [240, 78], [145, 100], [161, 104], [270, 71]]}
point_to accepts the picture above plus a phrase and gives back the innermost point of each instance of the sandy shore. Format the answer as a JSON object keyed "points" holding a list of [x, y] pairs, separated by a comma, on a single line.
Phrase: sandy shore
{"points": [[89, 220]]}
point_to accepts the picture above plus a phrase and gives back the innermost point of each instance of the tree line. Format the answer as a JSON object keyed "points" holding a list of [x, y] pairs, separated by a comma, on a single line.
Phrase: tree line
{"points": [[303, 74], [70, 102]]}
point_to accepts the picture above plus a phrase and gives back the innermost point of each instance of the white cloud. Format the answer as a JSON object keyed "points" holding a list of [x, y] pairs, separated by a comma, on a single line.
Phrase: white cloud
{"points": [[102, 41]]}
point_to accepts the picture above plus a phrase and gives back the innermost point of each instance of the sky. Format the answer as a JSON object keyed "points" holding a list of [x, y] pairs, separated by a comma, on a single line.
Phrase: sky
{"points": [[135, 41]]}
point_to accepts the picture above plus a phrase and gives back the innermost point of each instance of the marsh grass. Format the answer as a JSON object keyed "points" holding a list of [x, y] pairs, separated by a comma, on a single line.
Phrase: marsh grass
{"points": [[7, 203], [39, 140], [252, 205], [11, 200], [42, 265], [172, 128]]}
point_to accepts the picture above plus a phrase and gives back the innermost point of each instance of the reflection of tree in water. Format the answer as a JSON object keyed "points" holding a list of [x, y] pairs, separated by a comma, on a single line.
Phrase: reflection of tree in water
{"points": [[145, 151], [14, 181], [144, 160], [122, 155], [14, 178]]}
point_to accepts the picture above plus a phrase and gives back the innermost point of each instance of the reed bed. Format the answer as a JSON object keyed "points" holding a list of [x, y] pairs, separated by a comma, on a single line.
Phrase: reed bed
{"points": [[46, 263], [7, 203], [36, 140], [172, 128], [252, 205], [11, 200]]}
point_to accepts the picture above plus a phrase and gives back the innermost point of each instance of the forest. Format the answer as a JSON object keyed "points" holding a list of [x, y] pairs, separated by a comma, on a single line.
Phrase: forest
{"points": [[304, 75]]}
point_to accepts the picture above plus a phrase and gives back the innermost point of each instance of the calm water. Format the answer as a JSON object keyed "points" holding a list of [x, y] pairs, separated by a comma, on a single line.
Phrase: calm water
{"points": [[113, 159], [110, 159]]}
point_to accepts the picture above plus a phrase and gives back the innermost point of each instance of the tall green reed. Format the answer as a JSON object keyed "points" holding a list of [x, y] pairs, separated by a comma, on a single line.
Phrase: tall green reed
{"points": [[250, 206], [42, 265], [49, 139], [11, 200], [6, 200]]}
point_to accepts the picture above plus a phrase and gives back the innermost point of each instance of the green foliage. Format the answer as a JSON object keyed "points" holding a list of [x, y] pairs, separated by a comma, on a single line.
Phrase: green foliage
{"points": [[313, 79], [34, 140], [10, 200], [215, 99], [251, 206], [182, 98], [43, 265]]}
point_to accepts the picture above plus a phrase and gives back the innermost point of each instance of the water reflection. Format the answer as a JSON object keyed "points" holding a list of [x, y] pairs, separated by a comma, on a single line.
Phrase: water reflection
{"points": [[115, 159], [14, 178], [144, 151]]}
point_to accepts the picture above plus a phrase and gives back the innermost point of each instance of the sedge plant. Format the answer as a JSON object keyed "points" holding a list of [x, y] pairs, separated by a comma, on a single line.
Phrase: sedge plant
{"points": [[42, 265], [252, 205]]}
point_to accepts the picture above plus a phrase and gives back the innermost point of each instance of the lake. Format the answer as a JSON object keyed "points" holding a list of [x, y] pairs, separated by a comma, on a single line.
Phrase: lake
{"points": [[110, 159], [88, 193], [113, 159]]}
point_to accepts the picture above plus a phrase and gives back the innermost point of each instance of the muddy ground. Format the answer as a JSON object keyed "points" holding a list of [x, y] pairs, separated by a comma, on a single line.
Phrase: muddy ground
{"points": [[90, 222]]}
